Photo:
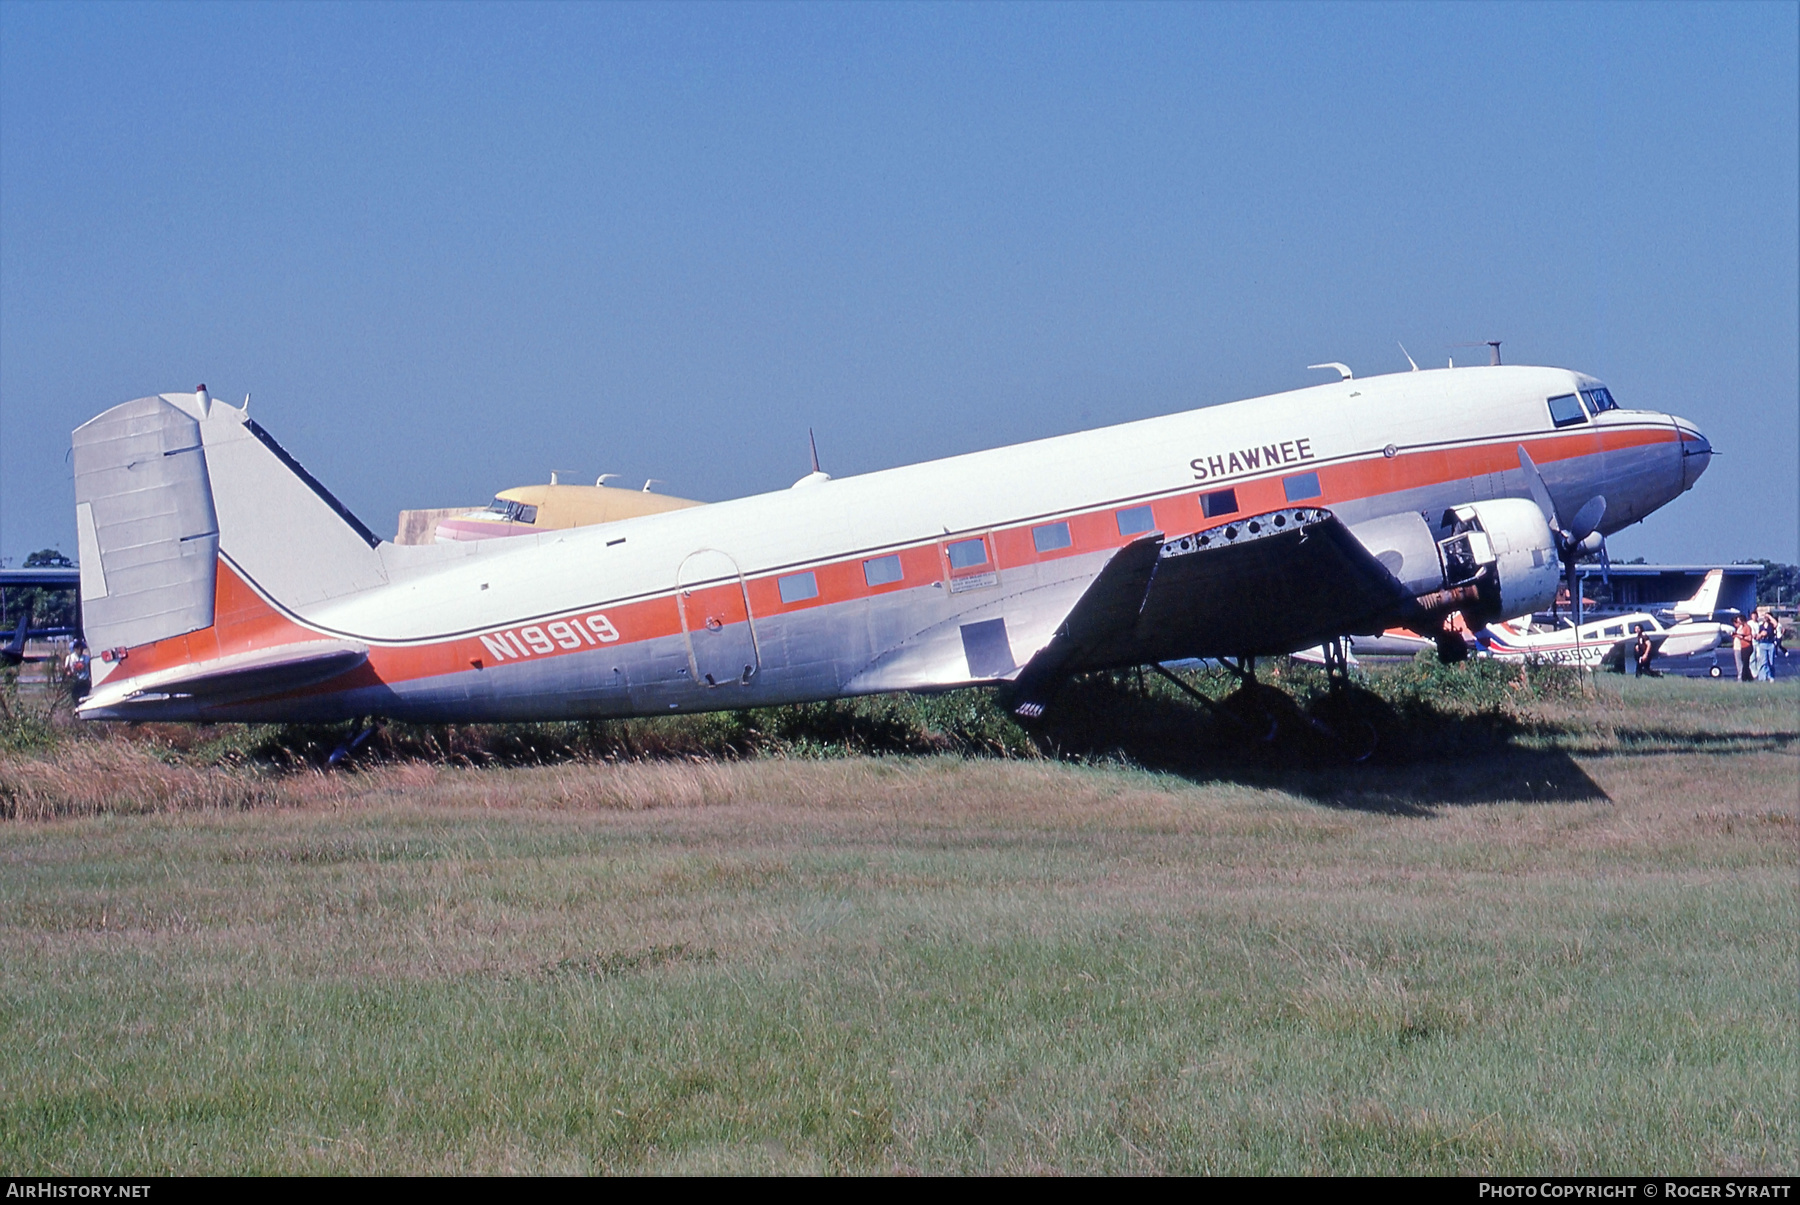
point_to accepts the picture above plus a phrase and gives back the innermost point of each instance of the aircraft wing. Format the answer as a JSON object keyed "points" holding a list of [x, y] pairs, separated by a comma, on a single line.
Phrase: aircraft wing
{"points": [[1264, 585], [1260, 585], [1689, 638], [1105, 616], [254, 674]]}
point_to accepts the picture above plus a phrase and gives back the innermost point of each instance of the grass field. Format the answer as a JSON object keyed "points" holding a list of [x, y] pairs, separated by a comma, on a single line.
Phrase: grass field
{"points": [[1556, 934]]}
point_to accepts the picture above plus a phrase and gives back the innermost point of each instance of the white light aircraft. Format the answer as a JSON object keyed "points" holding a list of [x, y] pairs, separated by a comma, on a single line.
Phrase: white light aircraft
{"points": [[220, 581], [1607, 640]]}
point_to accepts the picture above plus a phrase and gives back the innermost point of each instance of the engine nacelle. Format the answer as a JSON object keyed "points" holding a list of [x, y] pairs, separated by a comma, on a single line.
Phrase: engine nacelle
{"points": [[1509, 543], [1488, 560]]}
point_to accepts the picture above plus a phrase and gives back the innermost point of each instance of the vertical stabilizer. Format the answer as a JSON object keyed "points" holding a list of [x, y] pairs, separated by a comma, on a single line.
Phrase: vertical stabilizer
{"points": [[1706, 598], [165, 486], [288, 535]]}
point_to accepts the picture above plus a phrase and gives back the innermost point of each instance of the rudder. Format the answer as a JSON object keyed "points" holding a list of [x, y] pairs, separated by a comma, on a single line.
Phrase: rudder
{"points": [[145, 525]]}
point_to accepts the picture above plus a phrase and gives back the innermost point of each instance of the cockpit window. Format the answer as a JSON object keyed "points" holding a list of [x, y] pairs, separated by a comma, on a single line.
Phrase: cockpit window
{"points": [[513, 512], [1599, 400], [1566, 411]]}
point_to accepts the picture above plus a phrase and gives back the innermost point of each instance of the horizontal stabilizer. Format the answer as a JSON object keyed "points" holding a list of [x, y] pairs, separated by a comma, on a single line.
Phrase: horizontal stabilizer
{"points": [[256, 674]]}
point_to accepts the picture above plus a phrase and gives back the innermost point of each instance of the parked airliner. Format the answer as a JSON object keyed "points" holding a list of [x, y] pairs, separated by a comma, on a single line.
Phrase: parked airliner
{"points": [[219, 580]]}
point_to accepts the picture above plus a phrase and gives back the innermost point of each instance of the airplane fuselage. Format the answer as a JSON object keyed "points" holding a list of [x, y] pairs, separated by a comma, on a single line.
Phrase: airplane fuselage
{"points": [[928, 576]]}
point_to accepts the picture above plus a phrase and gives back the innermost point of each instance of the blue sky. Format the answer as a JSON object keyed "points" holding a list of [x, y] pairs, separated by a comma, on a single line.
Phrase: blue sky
{"points": [[450, 248]]}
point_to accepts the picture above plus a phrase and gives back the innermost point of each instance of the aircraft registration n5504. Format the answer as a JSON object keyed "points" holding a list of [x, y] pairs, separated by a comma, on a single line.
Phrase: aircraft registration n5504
{"points": [[223, 582]]}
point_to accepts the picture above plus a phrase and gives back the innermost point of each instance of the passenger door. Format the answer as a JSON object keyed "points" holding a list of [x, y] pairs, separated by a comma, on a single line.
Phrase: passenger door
{"points": [[716, 620]]}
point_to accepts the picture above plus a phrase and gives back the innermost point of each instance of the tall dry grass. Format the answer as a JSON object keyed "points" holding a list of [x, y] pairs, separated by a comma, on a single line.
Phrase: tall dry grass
{"points": [[1426, 721], [92, 778]]}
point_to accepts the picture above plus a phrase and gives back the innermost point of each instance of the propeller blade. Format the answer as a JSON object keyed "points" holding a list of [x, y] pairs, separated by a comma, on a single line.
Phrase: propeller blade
{"points": [[1540, 493], [1588, 517]]}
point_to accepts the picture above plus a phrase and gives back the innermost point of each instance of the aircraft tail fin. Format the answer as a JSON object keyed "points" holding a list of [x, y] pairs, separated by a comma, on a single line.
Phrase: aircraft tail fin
{"points": [[1706, 598], [14, 652], [165, 486]]}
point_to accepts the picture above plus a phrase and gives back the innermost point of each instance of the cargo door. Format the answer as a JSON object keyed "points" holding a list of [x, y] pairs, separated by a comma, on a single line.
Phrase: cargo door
{"points": [[716, 621]]}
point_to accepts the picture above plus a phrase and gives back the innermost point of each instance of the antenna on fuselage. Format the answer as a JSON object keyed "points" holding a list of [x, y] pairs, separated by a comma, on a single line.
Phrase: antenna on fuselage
{"points": [[1343, 370], [815, 450], [1493, 346], [1406, 353]]}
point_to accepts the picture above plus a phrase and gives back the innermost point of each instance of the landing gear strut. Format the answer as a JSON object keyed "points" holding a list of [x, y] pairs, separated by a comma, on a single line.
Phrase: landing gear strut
{"points": [[1337, 662], [350, 744], [1244, 671], [1264, 723], [1184, 688]]}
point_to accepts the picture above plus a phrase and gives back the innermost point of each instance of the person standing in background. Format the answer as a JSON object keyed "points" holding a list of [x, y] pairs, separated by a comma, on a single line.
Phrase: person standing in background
{"points": [[1740, 647], [1764, 640], [75, 670]]}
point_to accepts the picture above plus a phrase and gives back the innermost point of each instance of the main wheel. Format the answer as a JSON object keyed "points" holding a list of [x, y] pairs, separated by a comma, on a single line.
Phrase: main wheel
{"points": [[1715, 672]]}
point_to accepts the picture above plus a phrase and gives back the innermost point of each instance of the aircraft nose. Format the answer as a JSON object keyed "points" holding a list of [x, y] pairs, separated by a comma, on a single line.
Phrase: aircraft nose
{"points": [[1695, 451]]}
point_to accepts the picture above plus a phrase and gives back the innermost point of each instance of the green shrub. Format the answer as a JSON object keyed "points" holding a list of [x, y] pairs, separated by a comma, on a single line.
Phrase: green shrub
{"points": [[1418, 710], [27, 725]]}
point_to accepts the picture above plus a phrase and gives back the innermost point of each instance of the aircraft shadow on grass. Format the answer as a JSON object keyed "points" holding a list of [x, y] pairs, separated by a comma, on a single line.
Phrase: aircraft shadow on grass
{"points": [[1662, 742], [1347, 749]]}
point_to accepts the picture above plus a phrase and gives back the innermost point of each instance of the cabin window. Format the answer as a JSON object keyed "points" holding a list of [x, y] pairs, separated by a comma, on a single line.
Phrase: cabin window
{"points": [[966, 554], [1618, 629], [1566, 411], [1050, 537], [1135, 520], [1300, 486], [798, 587], [882, 570], [1219, 503]]}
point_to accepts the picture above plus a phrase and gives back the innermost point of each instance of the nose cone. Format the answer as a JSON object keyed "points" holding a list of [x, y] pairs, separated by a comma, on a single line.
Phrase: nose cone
{"points": [[1696, 451]]}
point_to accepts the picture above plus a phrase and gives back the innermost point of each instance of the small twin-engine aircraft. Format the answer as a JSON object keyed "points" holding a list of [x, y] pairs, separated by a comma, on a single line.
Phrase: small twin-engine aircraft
{"points": [[1607, 640], [220, 581]]}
